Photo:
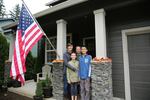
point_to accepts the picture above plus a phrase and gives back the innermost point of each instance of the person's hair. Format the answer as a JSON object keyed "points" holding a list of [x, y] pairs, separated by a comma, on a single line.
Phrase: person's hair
{"points": [[83, 46], [73, 52], [78, 46], [69, 44]]}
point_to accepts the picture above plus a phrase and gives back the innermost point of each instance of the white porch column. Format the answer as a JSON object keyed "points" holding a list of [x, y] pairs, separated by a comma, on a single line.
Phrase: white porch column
{"points": [[11, 46], [100, 33], [61, 37]]}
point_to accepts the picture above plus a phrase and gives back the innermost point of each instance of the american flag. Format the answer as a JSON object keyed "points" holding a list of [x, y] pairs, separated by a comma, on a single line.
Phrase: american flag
{"points": [[27, 35]]}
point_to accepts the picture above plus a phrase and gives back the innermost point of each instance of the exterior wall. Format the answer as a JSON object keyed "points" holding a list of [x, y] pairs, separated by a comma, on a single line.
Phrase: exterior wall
{"points": [[119, 20]]}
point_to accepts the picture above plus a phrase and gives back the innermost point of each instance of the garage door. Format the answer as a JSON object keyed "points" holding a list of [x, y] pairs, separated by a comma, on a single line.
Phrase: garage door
{"points": [[139, 62]]}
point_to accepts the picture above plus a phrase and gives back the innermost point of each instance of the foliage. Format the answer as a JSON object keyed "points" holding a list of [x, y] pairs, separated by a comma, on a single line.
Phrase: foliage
{"points": [[39, 89], [2, 9], [48, 82], [30, 61], [4, 48], [39, 61], [15, 12]]}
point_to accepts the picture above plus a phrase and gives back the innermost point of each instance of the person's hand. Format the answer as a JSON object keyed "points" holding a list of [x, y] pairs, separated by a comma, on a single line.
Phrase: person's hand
{"points": [[69, 82], [74, 69]]}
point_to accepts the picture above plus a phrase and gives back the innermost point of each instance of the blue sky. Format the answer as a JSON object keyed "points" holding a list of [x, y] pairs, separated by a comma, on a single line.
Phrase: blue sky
{"points": [[34, 5]]}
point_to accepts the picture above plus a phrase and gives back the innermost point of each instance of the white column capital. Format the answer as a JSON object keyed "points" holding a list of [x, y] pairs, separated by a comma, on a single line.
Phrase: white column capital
{"points": [[61, 21], [98, 11]]}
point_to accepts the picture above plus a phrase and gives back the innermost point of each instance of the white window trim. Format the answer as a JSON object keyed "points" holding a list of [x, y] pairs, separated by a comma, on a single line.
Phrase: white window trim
{"points": [[69, 34], [125, 33], [87, 38]]}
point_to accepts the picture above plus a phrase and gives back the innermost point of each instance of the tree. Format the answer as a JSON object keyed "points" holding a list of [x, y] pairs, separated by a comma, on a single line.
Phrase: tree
{"points": [[15, 12], [2, 9], [4, 50]]}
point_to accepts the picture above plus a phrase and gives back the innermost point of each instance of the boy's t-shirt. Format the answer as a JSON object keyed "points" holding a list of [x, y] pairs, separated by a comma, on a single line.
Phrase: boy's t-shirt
{"points": [[85, 66]]}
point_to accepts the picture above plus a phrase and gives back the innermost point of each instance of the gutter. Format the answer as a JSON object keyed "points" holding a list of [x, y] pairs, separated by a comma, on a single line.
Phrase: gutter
{"points": [[58, 7]]}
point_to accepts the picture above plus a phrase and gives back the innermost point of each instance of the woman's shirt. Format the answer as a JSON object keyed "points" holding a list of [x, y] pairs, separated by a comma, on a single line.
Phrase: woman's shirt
{"points": [[71, 75]]}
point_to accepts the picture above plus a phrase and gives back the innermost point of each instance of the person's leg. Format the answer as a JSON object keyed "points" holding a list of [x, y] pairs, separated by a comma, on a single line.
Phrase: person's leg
{"points": [[72, 91], [72, 97], [65, 86], [82, 88], [76, 90], [87, 89], [75, 98]]}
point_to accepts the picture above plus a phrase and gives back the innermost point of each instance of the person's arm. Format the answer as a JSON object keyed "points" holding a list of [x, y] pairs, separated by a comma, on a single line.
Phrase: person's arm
{"points": [[67, 64], [68, 76], [89, 75]]}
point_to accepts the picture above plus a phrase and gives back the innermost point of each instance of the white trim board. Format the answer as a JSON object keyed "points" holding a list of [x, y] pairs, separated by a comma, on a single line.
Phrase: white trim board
{"points": [[125, 33]]}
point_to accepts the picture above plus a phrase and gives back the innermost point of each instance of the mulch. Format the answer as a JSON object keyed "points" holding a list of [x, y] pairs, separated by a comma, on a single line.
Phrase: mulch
{"points": [[13, 96]]}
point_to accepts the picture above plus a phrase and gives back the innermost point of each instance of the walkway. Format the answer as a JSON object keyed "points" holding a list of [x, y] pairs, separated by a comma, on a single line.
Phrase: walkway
{"points": [[28, 90]]}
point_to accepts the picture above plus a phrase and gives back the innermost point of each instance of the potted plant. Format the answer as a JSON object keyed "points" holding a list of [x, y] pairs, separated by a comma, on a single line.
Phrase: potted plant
{"points": [[47, 88], [5, 88], [16, 83], [38, 92]]}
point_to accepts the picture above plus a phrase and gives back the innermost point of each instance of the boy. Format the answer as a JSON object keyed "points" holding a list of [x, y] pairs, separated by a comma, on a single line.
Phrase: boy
{"points": [[85, 73]]}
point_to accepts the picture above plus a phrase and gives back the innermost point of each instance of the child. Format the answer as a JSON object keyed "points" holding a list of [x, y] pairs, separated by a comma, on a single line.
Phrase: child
{"points": [[72, 77], [85, 73]]}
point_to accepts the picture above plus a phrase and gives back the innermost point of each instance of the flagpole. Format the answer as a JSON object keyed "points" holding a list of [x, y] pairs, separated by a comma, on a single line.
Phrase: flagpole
{"points": [[42, 30]]}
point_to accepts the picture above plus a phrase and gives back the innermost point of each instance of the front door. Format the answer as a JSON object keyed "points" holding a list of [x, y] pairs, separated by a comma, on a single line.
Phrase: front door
{"points": [[139, 66]]}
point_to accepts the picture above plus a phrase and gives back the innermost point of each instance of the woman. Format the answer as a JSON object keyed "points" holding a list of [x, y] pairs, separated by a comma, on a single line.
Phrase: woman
{"points": [[72, 76]]}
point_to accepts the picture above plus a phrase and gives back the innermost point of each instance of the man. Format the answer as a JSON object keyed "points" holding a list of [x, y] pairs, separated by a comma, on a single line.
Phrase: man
{"points": [[67, 58], [85, 73], [78, 52]]}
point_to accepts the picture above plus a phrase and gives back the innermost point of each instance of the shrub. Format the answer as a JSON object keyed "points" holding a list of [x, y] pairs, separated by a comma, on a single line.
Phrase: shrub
{"points": [[30, 62], [39, 89], [48, 82], [4, 51]]}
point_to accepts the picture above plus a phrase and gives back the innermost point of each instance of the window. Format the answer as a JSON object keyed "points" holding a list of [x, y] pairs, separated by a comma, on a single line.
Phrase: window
{"points": [[50, 53]]}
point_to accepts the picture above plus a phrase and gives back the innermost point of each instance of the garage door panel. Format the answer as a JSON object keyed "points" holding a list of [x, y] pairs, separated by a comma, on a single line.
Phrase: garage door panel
{"points": [[141, 76], [139, 66], [137, 95]]}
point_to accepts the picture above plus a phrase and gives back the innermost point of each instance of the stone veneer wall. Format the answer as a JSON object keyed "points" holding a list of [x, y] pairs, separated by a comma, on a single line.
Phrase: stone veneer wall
{"points": [[57, 80], [101, 81]]}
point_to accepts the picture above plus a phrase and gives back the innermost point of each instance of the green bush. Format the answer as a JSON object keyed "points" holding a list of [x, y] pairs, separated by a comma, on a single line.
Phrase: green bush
{"points": [[39, 62], [4, 51], [48, 82], [39, 89], [30, 62]]}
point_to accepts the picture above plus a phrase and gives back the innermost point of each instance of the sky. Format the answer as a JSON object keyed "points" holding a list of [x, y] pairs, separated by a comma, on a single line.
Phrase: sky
{"points": [[33, 5]]}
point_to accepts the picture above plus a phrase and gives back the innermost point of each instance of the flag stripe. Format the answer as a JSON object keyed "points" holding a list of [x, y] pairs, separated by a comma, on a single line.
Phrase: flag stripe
{"points": [[31, 37], [37, 39]]}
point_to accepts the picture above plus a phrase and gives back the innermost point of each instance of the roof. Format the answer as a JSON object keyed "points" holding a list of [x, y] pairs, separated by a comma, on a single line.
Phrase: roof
{"points": [[55, 8], [54, 2], [5, 19]]}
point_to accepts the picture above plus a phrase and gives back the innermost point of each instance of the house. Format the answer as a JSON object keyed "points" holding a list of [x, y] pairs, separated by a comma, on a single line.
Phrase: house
{"points": [[5, 21], [119, 29]]}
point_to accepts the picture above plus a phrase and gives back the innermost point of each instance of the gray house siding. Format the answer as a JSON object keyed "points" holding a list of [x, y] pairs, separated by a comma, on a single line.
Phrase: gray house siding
{"points": [[116, 21]]}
